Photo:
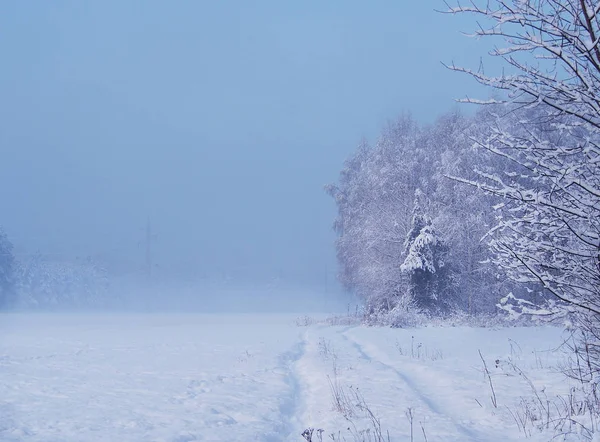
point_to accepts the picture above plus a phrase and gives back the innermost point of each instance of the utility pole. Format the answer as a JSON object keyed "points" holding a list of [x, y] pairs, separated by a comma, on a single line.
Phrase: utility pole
{"points": [[150, 237]]}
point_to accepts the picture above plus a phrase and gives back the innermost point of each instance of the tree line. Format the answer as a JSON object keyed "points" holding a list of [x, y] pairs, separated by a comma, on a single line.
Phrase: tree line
{"points": [[409, 233], [36, 282]]}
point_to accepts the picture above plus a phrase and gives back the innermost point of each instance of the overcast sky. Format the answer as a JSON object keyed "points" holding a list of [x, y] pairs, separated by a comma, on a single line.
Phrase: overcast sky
{"points": [[221, 120]]}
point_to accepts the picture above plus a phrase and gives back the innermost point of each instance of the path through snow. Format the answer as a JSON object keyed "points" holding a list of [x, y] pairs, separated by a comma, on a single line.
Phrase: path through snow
{"points": [[177, 378]]}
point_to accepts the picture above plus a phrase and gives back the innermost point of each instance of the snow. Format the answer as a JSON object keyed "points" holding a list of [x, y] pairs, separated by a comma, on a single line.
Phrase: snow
{"points": [[176, 377]]}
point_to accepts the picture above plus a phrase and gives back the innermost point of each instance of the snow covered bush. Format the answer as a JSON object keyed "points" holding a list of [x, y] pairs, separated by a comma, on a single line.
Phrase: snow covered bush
{"points": [[403, 314]]}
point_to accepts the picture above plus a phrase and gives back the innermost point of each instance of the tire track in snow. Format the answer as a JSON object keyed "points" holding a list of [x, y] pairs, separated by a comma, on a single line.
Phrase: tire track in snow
{"points": [[430, 404], [466, 433], [291, 407]]}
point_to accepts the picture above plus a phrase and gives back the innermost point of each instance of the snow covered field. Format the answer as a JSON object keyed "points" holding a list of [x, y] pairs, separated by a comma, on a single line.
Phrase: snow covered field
{"points": [[215, 377]]}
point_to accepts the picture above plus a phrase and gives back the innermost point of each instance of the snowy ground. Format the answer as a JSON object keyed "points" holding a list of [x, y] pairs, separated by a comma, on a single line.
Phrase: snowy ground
{"points": [[243, 378]]}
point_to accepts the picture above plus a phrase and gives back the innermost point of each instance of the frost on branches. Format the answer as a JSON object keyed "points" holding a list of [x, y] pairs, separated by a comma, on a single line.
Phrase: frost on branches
{"points": [[549, 228]]}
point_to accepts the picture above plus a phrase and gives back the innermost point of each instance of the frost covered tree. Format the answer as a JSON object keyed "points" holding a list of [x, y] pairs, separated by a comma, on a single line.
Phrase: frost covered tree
{"points": [[549, 226], [7, 264], [374, 197], [424, 264]]}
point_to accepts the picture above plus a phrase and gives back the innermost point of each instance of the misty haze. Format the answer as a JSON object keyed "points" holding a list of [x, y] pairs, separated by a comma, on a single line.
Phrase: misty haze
{"points": [[300, 221]]}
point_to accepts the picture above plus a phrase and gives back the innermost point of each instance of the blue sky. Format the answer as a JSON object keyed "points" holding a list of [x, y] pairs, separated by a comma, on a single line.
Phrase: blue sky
{"points": [[222, 121]]}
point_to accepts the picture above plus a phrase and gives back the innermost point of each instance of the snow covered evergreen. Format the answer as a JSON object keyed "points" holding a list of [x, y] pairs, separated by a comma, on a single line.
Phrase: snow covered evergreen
{"points": [[424, 264]]}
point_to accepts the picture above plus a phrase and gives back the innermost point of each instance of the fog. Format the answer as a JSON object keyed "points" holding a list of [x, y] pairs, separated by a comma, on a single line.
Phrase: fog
{"points": [[207, 128]]}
